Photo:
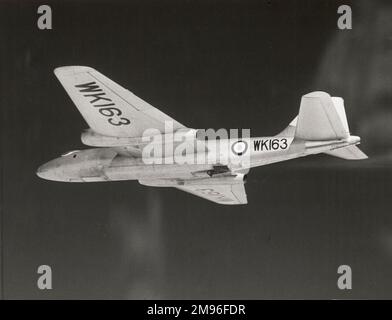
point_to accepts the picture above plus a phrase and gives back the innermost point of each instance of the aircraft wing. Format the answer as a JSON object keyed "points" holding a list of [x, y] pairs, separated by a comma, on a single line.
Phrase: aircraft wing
{"points": [[108, 108], [223, 194]]}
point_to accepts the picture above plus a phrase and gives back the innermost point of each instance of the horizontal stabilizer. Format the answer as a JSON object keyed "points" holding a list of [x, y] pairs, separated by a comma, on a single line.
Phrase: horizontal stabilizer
{"points": [[348, 153]]}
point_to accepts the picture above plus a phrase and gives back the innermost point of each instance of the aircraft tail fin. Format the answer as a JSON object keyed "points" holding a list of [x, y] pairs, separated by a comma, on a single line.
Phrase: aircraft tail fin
{"points": [[321, 117]]}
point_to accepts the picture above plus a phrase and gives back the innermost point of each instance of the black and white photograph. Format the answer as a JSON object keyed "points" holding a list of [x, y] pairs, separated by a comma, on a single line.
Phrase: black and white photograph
{"points": [[183, 150]]}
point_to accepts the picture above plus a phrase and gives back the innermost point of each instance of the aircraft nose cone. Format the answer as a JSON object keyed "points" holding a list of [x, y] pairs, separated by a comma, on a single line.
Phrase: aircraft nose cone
{"points": [[46, 171], [42, 171]]}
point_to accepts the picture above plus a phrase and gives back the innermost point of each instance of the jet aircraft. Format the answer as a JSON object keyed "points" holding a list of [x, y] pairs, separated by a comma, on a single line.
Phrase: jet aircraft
{"points": [[122, 127]]}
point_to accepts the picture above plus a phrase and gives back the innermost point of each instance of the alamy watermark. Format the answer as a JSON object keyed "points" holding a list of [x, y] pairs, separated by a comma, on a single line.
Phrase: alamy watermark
{"points": [[44, 281], [345, 280], [45, 19], [189, 146], [345, 20]]}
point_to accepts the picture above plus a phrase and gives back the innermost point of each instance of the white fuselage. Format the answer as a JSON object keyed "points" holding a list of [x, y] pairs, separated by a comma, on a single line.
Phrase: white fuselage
{"points": [[113, 163]]}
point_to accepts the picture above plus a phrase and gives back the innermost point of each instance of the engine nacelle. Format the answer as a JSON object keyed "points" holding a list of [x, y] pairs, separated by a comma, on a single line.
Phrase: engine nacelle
{"points": [[91, 138]]}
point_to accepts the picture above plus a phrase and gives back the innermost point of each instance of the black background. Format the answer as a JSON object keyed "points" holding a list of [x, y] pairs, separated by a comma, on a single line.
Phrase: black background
{"points": [[208, 64]]}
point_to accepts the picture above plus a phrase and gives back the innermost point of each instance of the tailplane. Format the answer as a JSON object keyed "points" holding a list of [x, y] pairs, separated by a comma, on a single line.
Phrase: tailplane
{"points": [[348, 153]]}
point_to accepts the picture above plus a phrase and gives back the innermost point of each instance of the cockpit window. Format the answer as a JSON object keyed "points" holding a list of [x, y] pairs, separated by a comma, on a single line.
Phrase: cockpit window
{"points": [[74, 152]]}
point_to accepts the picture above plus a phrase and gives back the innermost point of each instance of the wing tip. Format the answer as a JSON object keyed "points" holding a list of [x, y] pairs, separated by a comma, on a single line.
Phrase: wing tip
{"points": [[68, 70]]}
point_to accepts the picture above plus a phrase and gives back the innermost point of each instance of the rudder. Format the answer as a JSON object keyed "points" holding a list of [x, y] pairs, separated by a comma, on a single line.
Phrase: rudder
{"points": [[321, 117]]}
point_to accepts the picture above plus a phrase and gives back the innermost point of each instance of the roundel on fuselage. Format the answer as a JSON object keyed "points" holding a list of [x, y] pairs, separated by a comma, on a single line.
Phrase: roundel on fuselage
{"points": [[239, 147]]}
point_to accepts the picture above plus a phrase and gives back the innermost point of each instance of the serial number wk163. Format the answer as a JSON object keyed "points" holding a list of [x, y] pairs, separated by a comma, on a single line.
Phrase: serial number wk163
{"points": [[270, 144]]}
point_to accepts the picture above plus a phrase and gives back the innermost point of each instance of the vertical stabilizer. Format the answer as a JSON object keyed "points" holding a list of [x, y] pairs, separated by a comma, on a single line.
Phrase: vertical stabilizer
{"points": [[321, 118]]}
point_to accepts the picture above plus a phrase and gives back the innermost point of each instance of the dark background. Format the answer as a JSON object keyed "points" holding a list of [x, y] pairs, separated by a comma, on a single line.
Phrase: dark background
{"points": [[208, 64]]}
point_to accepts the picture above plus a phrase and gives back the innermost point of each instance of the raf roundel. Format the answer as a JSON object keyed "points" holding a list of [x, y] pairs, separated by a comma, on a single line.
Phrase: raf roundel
{"points": [[239, 147]]}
